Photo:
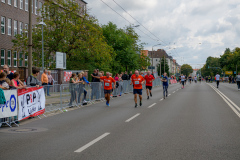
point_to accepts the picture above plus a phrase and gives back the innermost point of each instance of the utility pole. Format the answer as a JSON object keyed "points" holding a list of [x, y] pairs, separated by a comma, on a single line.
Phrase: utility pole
{"points": [[152, 60], [164, 64], [160, 67], [30, 38]]}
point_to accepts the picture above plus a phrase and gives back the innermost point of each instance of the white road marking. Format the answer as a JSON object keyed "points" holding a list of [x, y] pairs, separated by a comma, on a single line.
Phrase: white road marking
{"points": [[227, 100], [169, 95], [91, 143], [132, 117], [161, 99], [152, 105], [173, 91]]}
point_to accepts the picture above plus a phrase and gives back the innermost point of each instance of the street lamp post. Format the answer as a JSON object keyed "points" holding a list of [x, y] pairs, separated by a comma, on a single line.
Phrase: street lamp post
{"points": [[43, 24], [152, 55]]}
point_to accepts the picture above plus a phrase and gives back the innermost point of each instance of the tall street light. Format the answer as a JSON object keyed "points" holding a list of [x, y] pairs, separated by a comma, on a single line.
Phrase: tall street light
{"points": [[152, 55], [43, 24]]}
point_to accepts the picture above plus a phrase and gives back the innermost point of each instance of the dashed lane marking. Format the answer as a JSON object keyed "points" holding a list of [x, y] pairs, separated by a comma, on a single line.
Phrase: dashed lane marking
{"points": [[152, 105], [91, 143], [132, 117]]}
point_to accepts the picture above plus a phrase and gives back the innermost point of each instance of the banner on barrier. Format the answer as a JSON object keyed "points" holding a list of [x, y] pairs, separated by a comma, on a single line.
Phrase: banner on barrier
{"points": [[31, 102], [10, 108], [173, 81]]}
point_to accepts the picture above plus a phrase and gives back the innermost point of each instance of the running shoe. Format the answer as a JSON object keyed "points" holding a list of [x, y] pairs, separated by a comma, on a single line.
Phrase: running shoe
{"points": [[136, 105], [108, 105], [148, 97], [151, 94], [140, 103]]}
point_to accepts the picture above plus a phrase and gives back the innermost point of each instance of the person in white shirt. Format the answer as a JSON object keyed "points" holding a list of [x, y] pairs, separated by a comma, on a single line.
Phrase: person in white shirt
{"points": [[217, 79], [183, 80]]}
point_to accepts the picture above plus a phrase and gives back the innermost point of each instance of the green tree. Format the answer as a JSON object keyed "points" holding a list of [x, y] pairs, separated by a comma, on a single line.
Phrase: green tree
{"points": [[127, 49], [186, 69], [162, 67], [67, 30]]}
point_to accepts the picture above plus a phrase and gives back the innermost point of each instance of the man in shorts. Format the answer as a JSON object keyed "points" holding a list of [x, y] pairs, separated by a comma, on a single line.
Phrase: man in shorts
{"points": [[137, 81], [217, 77], [165, 85], [107, 86], [183, 80], [149, 79]]}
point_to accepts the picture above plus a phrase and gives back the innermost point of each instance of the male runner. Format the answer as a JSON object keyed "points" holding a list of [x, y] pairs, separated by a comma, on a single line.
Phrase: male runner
{"points": [[182, 80], [137, 81], [107, 86], [190, 79], [149, 79], [195, 79], [217, 79], [165, 85]]}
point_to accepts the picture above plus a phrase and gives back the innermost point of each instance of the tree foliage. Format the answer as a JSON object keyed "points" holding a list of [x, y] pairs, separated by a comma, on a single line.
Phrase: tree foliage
{"points": [[162, 67], [186, 69], [227, 62]]}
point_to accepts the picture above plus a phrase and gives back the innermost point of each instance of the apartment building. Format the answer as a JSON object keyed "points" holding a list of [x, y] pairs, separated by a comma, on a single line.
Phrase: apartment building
{"points": [[14, 20]]}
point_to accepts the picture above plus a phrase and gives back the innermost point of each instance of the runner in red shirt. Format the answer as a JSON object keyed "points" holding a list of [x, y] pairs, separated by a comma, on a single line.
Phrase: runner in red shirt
{"points": [[107, 86], [149, 79], [137, 81]]}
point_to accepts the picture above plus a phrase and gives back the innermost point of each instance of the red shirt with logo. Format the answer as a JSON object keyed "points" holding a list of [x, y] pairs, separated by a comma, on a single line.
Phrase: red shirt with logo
{"points": [[149, 79], [107, 82], [137, 81]]}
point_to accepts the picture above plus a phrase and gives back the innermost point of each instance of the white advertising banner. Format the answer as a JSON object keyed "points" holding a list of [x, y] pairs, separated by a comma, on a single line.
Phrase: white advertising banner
{"points": [[31, 102], [9, 109]]}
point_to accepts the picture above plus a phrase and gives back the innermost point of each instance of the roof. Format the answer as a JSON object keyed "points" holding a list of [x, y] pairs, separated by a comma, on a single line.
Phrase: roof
{"points": [[160, 53], [84, 1]]}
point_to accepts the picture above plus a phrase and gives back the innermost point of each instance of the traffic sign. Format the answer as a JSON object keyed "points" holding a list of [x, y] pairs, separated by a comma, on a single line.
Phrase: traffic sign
{"points": [[228, 72]]}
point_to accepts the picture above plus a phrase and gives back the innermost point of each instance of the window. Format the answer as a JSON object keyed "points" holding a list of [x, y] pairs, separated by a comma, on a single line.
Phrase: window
{"points": [[3, 1], [3, 25], [9, 27], [21, 4], [40, 8], [2, 57], [20, 59], [9, 58], [15, 3], [26, 29], [10, 2], [36, 4], [26, 60], [15, 58], [15, 28], [26, 5], [21, 28]]}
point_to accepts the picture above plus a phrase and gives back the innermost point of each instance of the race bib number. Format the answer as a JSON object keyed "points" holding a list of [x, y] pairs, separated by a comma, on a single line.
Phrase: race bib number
{"points": [[136, 82], [107, 84]]}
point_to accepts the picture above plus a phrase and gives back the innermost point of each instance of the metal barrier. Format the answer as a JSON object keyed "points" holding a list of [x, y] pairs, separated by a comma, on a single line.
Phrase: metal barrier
{"points": [[70, 95]]}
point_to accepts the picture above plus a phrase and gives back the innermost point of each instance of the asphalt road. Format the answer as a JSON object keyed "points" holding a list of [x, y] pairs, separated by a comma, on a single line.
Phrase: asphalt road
{"points": [[197, 122]]}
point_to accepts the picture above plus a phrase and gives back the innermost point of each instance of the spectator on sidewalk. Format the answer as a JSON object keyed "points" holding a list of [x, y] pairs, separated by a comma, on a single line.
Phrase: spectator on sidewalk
{"points": [[3, 83], [50, 82], [130, 75], [14, 81], [72, 90], [125, 76], [6, 70], [32, 79], [94, 74], [85, 82], [44, 80]]}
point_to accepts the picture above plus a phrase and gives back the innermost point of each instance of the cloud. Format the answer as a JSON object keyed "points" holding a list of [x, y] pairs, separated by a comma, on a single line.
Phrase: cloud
{"points": [[180, 24]]}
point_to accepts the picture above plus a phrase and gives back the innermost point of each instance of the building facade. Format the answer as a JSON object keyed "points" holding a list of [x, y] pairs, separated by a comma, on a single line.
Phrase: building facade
{"points": [[14, 20]]}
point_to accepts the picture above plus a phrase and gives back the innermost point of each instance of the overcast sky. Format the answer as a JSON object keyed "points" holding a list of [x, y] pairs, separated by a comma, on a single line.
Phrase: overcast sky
{"points": [[196, 28]]}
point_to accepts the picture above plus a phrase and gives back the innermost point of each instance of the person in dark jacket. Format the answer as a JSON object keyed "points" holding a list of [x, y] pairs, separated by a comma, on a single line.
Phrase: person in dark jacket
{"points": [[125, 76]]}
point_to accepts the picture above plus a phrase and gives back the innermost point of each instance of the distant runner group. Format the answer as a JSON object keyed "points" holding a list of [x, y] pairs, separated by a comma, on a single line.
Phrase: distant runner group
{"points": [[137, 81]]}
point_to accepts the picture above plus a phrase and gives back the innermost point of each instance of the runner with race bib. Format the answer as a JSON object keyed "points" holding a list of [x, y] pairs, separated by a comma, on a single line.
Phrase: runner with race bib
{"points": [[137, 81], [107, 86], [149, 79]]}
